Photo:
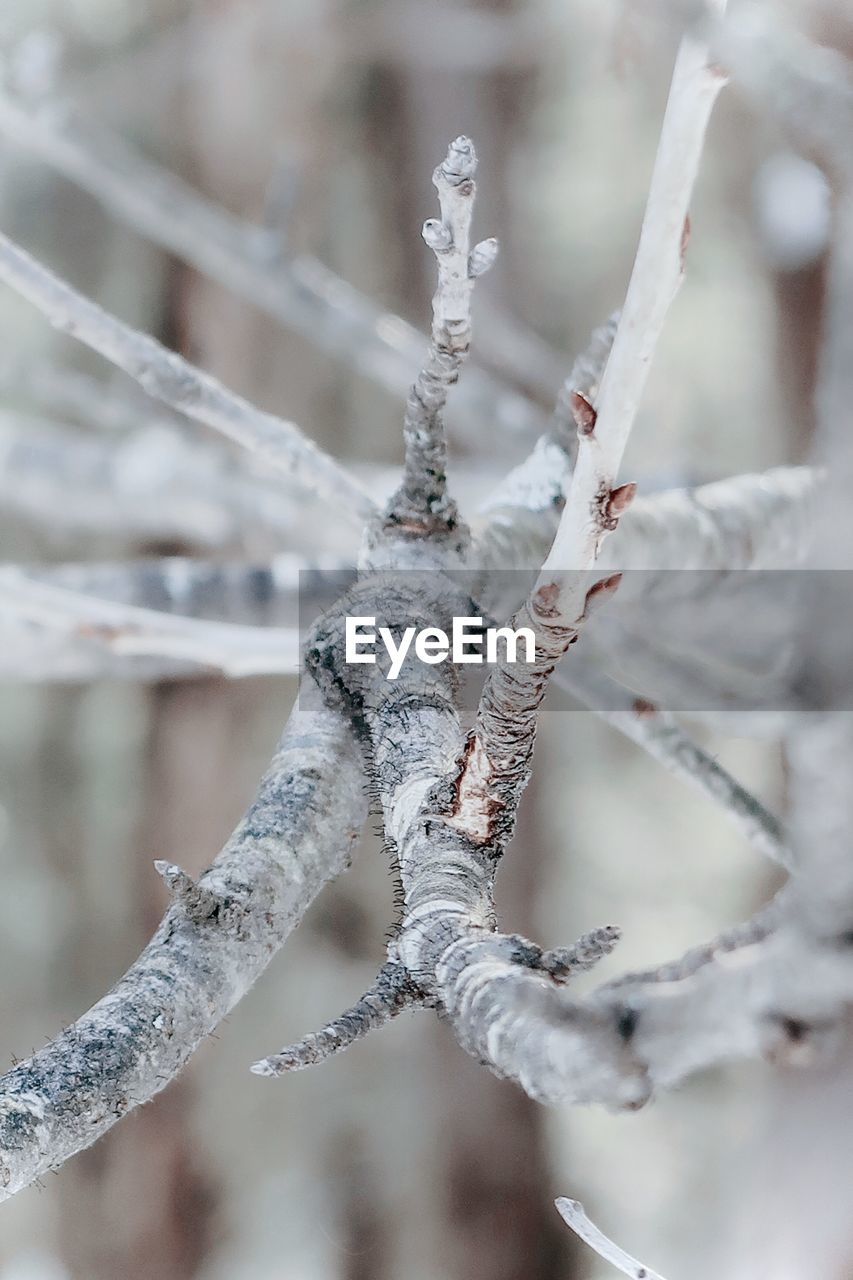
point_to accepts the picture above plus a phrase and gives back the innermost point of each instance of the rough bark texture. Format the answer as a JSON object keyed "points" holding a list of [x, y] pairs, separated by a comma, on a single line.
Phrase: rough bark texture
{"points": [[199, 963]]}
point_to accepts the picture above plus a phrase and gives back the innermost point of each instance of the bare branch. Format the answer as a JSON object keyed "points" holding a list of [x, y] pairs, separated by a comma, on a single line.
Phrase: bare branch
{"points": [[297, 835], [136, 632], [152, 485], [298, 291], [501, 745], [421, 505], [391, 993], [176, 382], [572, 1213], [759, 521], [591, 507], [666, 741]]}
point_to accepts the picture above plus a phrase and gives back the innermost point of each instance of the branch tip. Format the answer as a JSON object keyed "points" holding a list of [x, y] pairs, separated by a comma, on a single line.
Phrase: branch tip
{"points": [[460, 163], [391, 993]]}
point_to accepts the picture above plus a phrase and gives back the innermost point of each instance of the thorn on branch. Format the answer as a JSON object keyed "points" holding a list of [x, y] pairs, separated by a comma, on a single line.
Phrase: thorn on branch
{"points": [[620, 500], [197, 903], [563, 963], [391, 993]]}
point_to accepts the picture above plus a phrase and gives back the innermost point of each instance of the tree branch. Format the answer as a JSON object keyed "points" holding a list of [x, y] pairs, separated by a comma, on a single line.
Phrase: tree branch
{"points": [[572, 1213], [421, 506], [298, 291], [501, 745], [152, 485], [176, 382], [297, 835], [659, 733], [133, 632]]}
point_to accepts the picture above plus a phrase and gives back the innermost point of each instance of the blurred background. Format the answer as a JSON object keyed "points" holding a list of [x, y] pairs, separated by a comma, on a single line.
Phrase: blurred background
{"points": [[323, 120]]}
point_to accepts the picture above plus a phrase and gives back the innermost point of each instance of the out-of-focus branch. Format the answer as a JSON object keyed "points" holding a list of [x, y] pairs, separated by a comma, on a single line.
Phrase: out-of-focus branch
{"points": [[166, 375], [522, 515], [660, 734], [30, 654], [152, 485], [130, 631], [260, 594], [760, 521], [298, 291], [65, 394], [573, 1214], [807, 88], [214, 941]]}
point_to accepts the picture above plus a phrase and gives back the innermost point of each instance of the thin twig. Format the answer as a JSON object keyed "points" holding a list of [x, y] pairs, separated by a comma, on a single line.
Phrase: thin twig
{"points": [[660, 734], [136, 632], [572, 1213], [421, 506], [299, 291], [166, 375]]}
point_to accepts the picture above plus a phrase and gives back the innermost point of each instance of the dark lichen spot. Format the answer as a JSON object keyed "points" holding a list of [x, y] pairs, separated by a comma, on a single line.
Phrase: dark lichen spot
{"points": [[626, 1022]]}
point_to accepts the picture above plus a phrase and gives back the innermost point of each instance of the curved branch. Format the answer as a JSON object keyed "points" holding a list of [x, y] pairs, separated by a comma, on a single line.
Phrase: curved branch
{"points": [[212, 944], [167, 376], [299, 292]]}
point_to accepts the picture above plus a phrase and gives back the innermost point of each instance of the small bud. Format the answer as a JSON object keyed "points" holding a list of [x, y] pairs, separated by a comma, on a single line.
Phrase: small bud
{"points": [[460, 164], [620, 499], [437, 235], [482, 258], [599, 593], [583, 413]]}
